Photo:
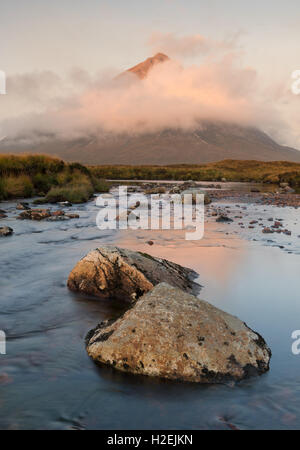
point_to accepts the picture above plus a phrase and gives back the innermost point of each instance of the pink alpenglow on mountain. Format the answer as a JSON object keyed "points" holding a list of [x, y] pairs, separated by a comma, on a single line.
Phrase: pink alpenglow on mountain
{"points": [[141, 70]]}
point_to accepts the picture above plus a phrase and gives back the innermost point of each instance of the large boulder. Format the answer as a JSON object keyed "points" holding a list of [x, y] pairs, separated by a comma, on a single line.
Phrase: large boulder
{"points": [[171, 334], [112, 272]]}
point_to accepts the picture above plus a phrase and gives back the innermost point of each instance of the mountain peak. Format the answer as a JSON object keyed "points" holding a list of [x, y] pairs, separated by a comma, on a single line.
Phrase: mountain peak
{"points": [[141, 70], [161, 57]]}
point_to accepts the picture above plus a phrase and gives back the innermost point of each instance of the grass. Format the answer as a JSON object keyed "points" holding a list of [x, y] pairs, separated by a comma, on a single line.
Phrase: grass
{"points": [[73, 194], [51, 178], [74, 187], [56, 180], [101, 185], [16, 187], [233, 170]]}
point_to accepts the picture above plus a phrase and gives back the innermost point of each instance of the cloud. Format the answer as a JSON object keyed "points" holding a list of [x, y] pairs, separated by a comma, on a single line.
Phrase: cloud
{"points": [[44, 106], [190, 45]]}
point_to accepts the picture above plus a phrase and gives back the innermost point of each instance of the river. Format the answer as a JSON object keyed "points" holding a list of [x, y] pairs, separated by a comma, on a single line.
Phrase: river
{"points": [[47, 381]]}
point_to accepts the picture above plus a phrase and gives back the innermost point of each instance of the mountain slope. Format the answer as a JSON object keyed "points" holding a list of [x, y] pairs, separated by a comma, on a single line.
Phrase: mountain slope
{"points": [[211, 141]]}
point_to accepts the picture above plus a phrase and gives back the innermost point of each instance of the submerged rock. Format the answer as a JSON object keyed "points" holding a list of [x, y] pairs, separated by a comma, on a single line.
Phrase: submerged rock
{"points": [[112, 272], [195, 192], [46, 214], [35, 214], [57, 218], [73, 216], [65, 204], [23, 206], [6, 231], [224, 219], [171, 334]]}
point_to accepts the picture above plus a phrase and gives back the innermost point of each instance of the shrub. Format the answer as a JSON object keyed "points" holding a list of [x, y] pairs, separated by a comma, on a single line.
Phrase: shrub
{"points": [[17, 187], [101, 185], [43, 182], [2, 189], [29, 164], [70, 193]]}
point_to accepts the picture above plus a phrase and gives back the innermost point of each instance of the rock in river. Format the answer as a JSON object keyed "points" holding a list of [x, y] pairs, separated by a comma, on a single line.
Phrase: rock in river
{"points": [[224, 219], [23, 206], [6, 231], [112, 272], [171, 334], [35, 214]]}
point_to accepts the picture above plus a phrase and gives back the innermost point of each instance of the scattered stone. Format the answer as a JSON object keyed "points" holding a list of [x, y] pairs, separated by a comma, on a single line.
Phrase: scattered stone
{"points": [[267, 230], [194, 193], [73, 216], [65, 204], [224, 219], [150, 242], [57, 218], [174, 335], [156, 190], [112, 272], [6, 231], [35, 214], [46, 214], [57, 213], [23, 206]]}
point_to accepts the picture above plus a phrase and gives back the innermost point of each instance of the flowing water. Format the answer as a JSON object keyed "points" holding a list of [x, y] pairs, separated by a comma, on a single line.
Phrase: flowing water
{"points": [[47, 381]]}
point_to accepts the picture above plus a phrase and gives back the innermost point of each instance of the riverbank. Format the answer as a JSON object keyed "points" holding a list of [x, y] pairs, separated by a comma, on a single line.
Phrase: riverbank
{"points": [[272, 172], [54, 180]]}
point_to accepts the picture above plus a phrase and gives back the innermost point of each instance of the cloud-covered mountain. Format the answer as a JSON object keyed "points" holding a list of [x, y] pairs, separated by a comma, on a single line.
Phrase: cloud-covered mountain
{"points": [[157, 112]]}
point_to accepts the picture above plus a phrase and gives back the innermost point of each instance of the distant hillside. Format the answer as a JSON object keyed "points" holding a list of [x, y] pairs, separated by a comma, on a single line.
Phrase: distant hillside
{"points": [[213, 142]]}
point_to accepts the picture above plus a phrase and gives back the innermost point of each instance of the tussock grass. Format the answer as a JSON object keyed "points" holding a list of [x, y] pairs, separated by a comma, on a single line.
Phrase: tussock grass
{"points": [[101, 185], [73, 187], [70, 193], [16, 187], [29, 175]]}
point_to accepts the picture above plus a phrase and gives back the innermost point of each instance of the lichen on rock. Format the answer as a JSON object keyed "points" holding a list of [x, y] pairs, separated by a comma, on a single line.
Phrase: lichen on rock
{"points": [[112, 272], [171, 334]]}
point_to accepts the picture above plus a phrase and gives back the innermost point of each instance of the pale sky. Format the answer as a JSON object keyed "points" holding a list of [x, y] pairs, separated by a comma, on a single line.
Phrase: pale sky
{"points": [[99, 35], [95, 34]]}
